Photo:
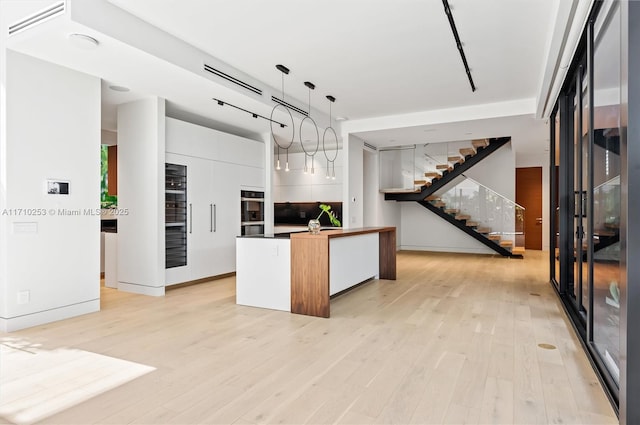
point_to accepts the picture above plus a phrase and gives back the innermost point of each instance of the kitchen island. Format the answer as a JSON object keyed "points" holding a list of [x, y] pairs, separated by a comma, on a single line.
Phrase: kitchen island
{"points": [[299, 272]]}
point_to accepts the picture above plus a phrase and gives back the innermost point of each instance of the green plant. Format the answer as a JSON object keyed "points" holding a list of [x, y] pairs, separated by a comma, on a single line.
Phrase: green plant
{"points": [[327, 209], [106, 200]]}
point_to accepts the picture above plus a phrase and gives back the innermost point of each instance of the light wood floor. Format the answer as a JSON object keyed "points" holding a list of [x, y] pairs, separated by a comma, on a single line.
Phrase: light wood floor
{"points": [[453, 340]]}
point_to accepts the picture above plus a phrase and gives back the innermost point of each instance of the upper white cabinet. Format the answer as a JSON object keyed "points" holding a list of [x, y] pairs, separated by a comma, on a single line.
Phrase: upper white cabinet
{"points": [[192, 140], [218, 165]]}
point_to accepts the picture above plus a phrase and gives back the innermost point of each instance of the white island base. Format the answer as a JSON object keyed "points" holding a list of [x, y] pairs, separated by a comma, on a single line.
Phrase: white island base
{"points": [[270, 275], [263, 272]]}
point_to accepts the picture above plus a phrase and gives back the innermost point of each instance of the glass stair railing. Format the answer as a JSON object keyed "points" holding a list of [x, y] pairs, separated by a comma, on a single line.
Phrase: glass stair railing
{"points": [[486, 212], [606, 215], [410, 168]]}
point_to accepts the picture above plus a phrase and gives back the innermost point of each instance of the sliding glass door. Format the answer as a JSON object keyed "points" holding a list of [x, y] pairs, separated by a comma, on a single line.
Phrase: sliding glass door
{"points": [[605, 190], [586, 191], [579, 274]]}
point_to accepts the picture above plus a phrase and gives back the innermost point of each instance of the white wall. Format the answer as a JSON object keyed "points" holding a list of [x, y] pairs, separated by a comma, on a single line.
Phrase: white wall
{"points": [[423, 230], [295, 186], [51, 254], [497, 172], [141, 153], [377, 211], [353, 189]]}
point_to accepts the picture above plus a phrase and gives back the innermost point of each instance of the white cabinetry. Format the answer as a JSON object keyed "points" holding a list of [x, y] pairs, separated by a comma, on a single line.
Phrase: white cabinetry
{"points": [[218, 165], [200, 217]]}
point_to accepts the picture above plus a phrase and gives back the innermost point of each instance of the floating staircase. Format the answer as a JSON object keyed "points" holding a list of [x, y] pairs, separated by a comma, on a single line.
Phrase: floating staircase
{"points": [[444, 173], [441, 169], [465, 223]]}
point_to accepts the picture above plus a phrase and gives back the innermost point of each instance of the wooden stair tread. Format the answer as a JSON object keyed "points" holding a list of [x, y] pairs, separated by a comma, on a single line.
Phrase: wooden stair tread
{"points": [[452, 211], [463, 217], [432, 198], [506, 243], [443, 167], [432, 174], [467, 151], [472, 223], [483, 230], [439, 204], [455, 159], [494, 237], [518, 250], [605, 233], [420, 182], [480, 143], [400, 190]]}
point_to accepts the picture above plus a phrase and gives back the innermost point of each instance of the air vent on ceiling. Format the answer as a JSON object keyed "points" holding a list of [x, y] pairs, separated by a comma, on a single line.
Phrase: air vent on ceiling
{"points": [[290, 106], [367, 145], [231, 79], [38, 18]]}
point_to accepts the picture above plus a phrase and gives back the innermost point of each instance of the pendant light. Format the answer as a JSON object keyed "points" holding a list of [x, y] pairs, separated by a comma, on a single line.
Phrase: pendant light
{"points": [[311, 152], [284, 70], [330, 161]]}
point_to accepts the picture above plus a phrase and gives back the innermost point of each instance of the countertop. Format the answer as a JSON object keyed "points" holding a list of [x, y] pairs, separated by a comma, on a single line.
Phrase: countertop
{"points": [[284, 235], [326, 233], [338, 233]]}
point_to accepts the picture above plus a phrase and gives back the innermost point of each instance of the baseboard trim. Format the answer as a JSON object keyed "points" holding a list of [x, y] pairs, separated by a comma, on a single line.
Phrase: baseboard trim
{"points": [[452, 250], [53, 315], [199, 281], [154, 291]]}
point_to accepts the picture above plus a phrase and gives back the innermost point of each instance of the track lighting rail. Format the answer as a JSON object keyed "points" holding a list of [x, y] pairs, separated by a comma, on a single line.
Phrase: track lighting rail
{"points": [[253, 114]]}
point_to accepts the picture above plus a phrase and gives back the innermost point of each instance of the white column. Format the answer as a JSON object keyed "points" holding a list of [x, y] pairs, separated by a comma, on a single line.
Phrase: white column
{"points": [[141, 158], [268, 182], [353, 188]]}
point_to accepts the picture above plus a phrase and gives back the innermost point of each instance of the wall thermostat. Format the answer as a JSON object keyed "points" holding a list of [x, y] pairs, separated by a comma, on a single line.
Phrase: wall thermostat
{"points": [[58, 187]]}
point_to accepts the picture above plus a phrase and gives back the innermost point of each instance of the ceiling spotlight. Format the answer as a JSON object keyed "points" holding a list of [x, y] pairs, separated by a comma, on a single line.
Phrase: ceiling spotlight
{"points": [[83, 41], [281, 125], [119, 88], [221, 103], [254, 115], [282, 69]]}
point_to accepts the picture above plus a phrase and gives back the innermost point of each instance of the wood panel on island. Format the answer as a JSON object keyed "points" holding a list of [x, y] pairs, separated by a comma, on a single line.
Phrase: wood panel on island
{"points": [[334, 261]]}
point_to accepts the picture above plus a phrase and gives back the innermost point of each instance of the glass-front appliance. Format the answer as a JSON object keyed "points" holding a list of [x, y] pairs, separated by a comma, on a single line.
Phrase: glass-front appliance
{"points": [[252, 212]]}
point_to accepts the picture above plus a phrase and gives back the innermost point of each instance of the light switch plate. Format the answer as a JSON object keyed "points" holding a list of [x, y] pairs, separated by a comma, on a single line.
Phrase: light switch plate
{"points": [[23, 297]]}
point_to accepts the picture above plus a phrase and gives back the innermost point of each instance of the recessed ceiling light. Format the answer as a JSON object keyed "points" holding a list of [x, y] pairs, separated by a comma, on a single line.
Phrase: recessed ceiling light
{"points": [[342, 118], [83, 41], [119, 88]]}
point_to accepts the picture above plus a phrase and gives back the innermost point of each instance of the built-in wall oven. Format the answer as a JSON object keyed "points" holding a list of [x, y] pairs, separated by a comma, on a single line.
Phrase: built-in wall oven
{"points": [[252, 212]]}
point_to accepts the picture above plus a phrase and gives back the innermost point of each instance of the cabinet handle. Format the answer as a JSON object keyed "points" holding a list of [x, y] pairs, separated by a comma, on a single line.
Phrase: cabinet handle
{"points": [[210, 217], [215, 217], [190, 218]]}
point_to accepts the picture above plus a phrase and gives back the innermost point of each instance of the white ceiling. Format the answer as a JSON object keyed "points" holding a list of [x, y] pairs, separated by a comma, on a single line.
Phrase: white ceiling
{"points": [[377, 57]]}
